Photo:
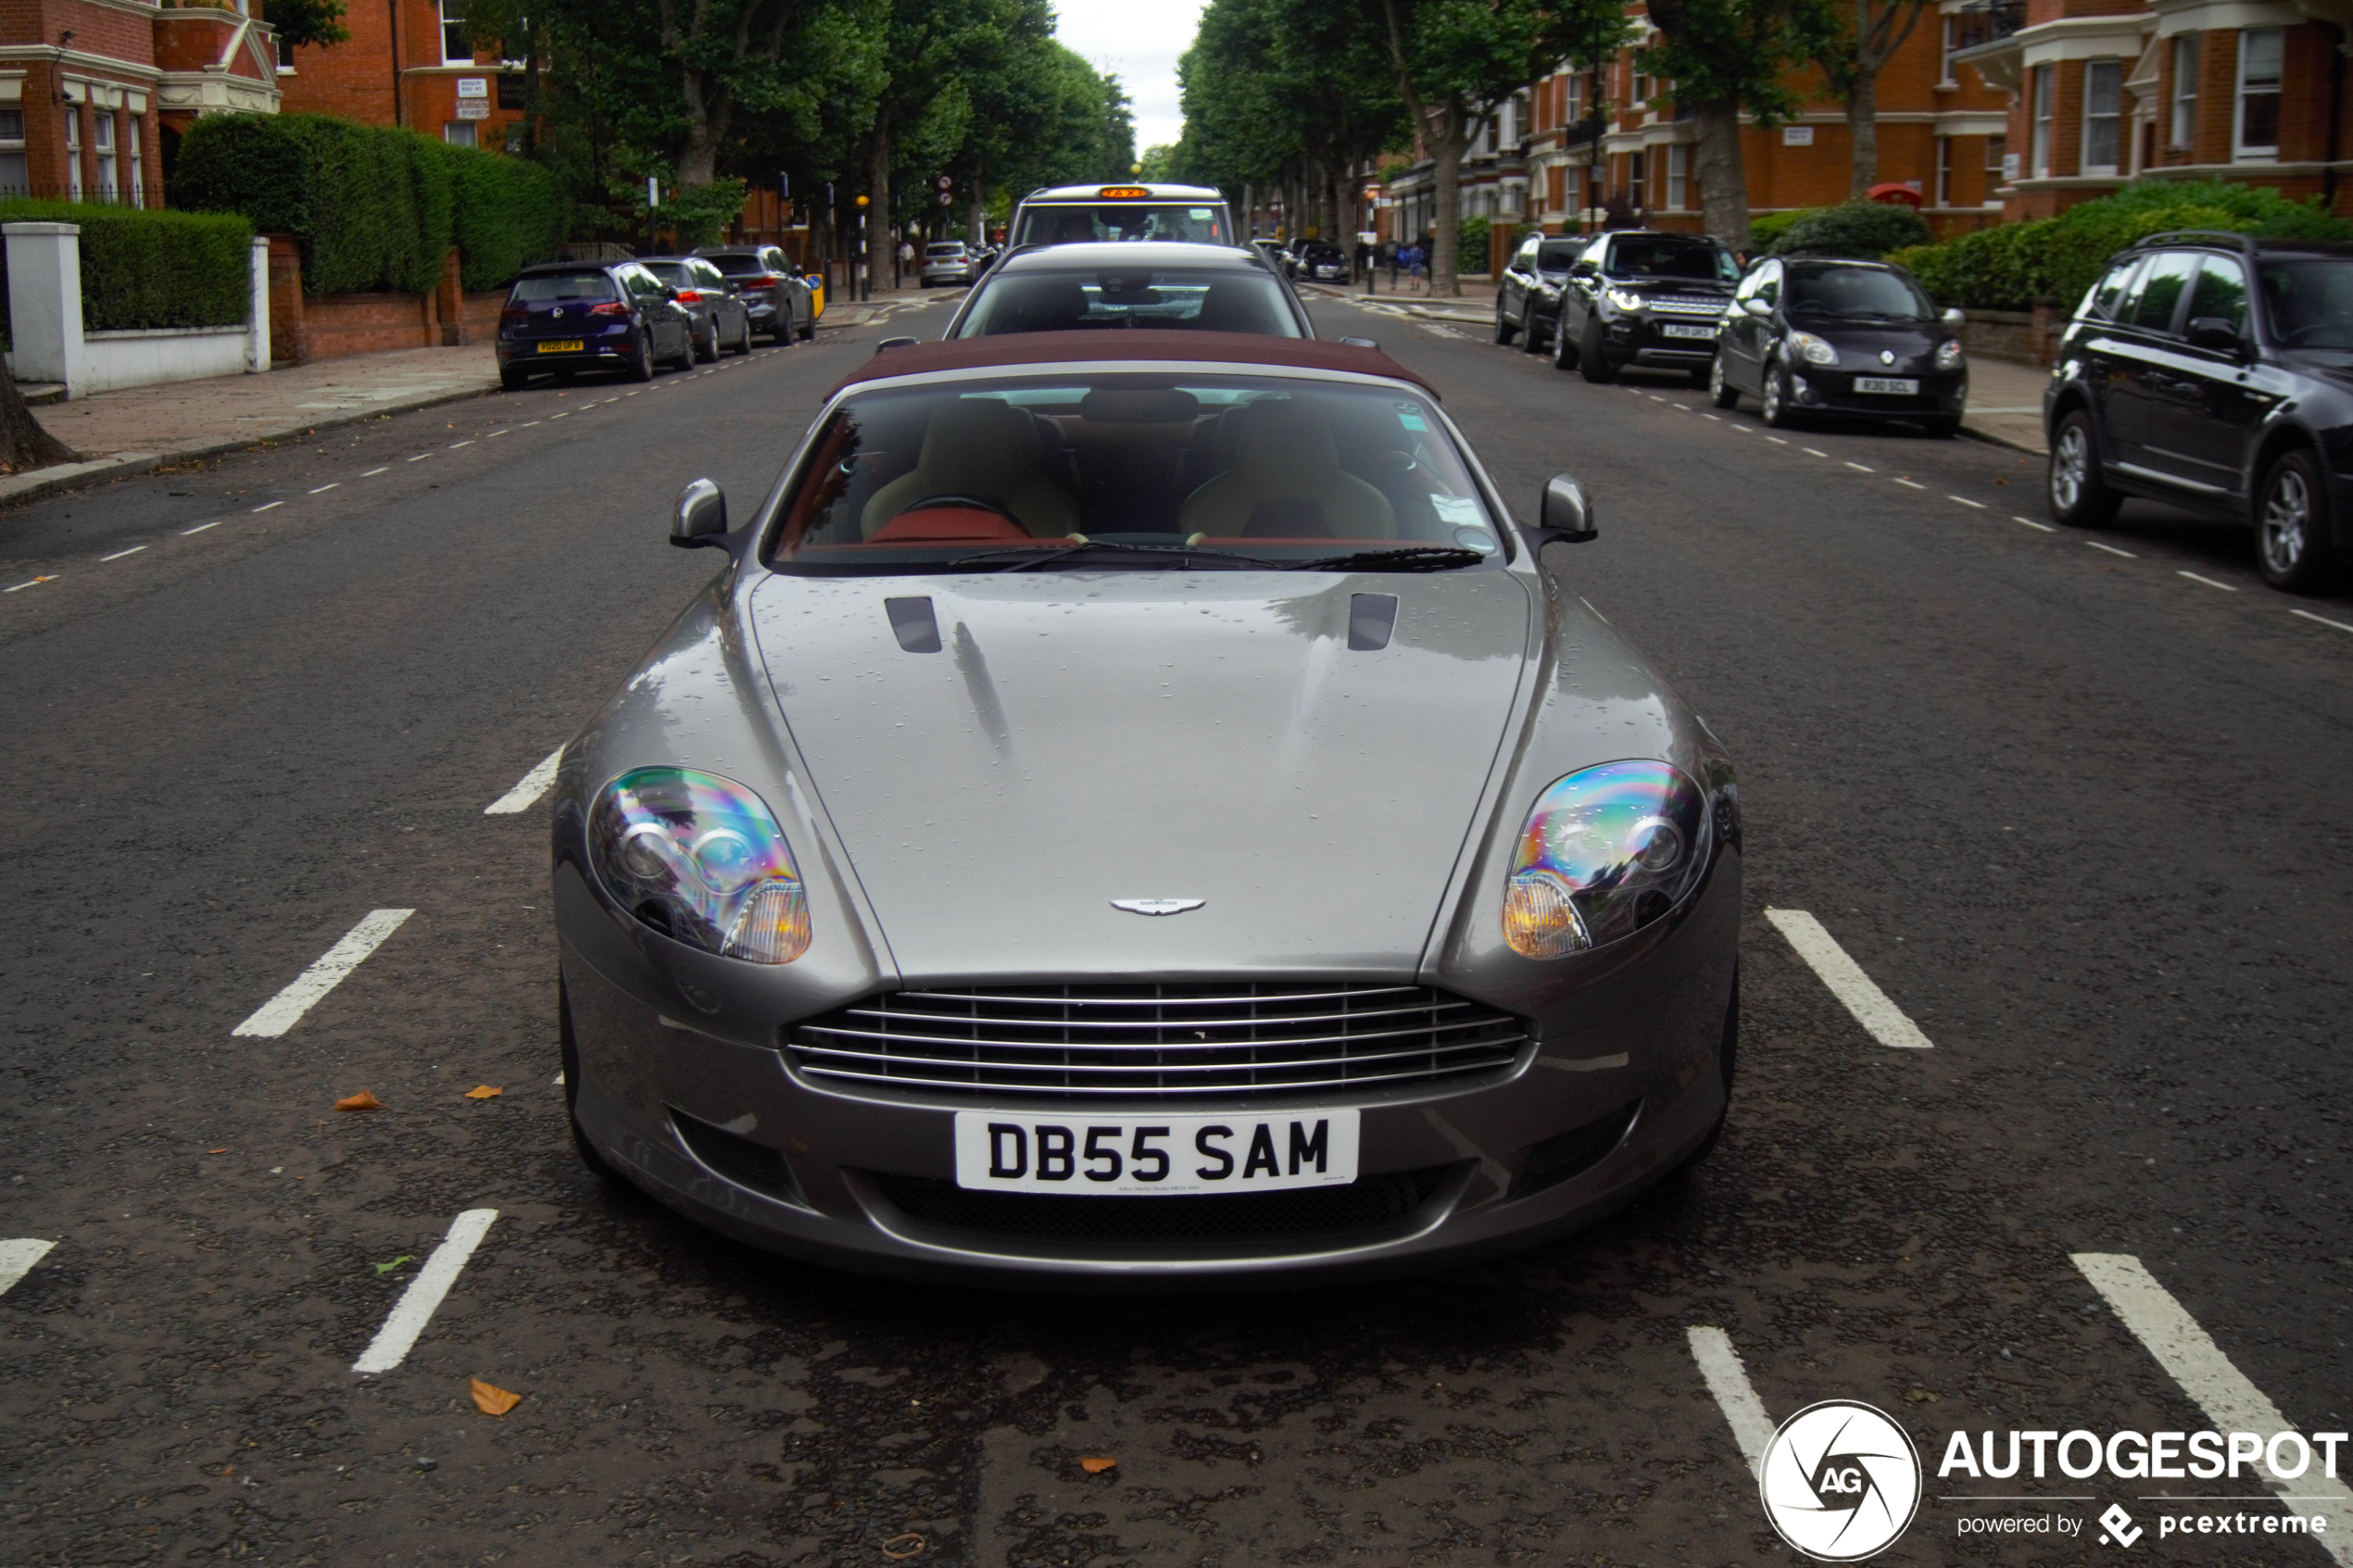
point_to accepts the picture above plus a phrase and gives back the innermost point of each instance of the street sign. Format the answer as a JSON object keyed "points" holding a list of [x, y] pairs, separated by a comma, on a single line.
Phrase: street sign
{"points": [[473, 87], [945, 183], [473, 108]]}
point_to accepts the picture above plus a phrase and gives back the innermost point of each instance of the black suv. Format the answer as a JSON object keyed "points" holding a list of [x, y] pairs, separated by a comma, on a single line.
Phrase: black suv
{"points": [[1643, 296], [1528, 297], [2214, 372]]}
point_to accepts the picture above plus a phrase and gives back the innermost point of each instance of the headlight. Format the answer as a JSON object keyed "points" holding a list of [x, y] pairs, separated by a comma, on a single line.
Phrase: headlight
{"points": [[1625, 299], [699, 858], [1815, 351], [1603, 854], [1948, 355]]}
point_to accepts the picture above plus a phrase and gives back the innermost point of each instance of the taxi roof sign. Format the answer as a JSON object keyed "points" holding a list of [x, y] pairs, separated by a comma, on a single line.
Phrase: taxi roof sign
{"points": [[1122, 193]]}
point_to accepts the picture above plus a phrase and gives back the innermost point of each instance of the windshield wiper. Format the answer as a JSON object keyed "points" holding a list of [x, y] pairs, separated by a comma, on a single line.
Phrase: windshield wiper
{"points": [[1042, 554], [1417, 558]]}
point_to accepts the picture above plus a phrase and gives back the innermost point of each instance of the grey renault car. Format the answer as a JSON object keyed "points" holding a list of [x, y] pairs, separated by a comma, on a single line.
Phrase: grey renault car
{"points": [[1138, 812]]}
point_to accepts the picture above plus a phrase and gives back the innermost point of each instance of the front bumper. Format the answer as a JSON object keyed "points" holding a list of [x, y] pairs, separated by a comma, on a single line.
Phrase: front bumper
{"points": [[1643, 340], [847, 1177], [1825, 390]]}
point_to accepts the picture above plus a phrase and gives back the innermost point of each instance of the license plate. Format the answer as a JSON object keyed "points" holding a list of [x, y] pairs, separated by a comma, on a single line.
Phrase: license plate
{"points": [[1685, 328], [1895, 386], [561, 345], [1139, 1155]]}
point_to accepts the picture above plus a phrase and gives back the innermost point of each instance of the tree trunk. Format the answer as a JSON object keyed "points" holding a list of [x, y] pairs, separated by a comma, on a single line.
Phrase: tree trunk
{"points": [[23, 443], [1723, 180], [878, 250], [1446, 150], [1862, 126]]}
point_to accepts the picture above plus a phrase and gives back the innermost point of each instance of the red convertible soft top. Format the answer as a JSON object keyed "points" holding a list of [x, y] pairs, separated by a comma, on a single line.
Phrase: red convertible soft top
{"points": [[1012, 350]]}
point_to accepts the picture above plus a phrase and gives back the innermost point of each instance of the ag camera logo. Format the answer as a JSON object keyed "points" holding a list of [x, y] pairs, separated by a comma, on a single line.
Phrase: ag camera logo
{"points": [[1841, 1481]]}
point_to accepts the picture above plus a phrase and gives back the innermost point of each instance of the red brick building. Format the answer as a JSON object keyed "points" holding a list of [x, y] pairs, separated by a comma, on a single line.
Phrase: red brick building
{"points": [[94, 93], [2106, 91], [409, 62], [1944, 131]]}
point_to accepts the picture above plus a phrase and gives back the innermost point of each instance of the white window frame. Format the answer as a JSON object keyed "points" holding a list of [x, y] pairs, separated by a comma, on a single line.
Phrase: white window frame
{"points": [[451, 128], [73, 152], [2182, 123], [138, 169], [2044, 103], [102, 148], [445, 7], [2241, 150], [2113, 117], [13, 159], [1943, 172], [1679, 173], [1944, 53], [1638, 179]]}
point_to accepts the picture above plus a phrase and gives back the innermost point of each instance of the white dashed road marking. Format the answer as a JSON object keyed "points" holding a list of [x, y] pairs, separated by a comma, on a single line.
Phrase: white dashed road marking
{"points": [[373, 473], [2208, 581], [1910, 486], [120, 554], [417, 1304], [420, 457], [1967, 502], [283, 1011], [2232, 1403], [324, 488], [2111, 549], [1777, 441], [1885, 1021], [1728, 1380], [266, 507], [455, 445], [2031, 524], [17, 1259], [34, 584], [2321, 619], [1811, 453], [532, 786], [1860, 468], [202, 526]]}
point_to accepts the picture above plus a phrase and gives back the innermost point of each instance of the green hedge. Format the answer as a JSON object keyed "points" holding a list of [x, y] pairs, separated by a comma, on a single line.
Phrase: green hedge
{"points": [[2010, 266], [1764, 230], [148, 268], [1470, 244], [1864, 230], [372, 206]]}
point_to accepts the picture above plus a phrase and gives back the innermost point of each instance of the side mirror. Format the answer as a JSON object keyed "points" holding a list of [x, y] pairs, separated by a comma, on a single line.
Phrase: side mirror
{"points": [[671, 295], [1952, 321], [1564, 515], [1757, 307], [701, 515], [2216, 333], [1582, 269], [886, 345], [1361, 341]]}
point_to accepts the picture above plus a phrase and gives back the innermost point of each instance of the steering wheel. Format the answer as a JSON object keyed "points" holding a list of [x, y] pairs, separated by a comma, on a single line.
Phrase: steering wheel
{"points": [[973, 503], [2296, 334]]}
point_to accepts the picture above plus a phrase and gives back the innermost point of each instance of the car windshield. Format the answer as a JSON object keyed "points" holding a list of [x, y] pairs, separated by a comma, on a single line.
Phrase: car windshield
{"points": [[1130, 472], [561, 285], [1556, 255], [1864, 292], [677, 274], [1235, 299], [945, 247], [2310, 303], [738, 266], [1654, 256], [1072, 223]]}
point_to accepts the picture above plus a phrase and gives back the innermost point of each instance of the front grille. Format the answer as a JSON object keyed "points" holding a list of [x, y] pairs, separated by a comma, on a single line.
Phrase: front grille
{"points": [[1687, 304], [1368, 1203], [1156, 1040]]}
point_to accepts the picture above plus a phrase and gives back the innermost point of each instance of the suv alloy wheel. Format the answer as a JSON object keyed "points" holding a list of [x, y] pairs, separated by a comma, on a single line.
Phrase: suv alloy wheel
{"points": [[1722, 392], [1775, 403], [2291, 525], [1503, 328], [2079, 497]]}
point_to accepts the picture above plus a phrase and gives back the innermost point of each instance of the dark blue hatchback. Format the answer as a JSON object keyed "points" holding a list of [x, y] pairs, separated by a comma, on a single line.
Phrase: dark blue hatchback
{"points": [[566, 316]]}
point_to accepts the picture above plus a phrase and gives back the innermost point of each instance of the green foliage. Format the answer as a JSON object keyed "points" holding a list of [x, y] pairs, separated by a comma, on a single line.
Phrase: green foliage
{"points": [[309, 21], [1857, 229], [1470, 243], [372, 206], [693, 215], [1763, 231], [2010, 266], [148, 268]]}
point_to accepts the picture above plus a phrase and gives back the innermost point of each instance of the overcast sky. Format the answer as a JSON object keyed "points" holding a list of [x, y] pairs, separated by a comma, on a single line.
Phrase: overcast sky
{"points": [[1139, 41]]}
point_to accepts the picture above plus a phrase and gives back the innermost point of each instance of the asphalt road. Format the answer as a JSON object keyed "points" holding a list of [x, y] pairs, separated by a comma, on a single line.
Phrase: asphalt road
{"points": [[2076, 811]]}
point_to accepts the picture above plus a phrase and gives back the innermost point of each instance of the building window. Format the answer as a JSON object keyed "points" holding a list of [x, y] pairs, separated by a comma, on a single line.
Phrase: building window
{"points": [[1943, 172], [1643, 86], [102, 141], [2041, 145], [1944, 57], [1678, 163], [73, 152], [459, 132], [1634, 182], [138, 170], [456, 49], [2259, 120], [14, 179], [2183, 129], [2103, 115]]}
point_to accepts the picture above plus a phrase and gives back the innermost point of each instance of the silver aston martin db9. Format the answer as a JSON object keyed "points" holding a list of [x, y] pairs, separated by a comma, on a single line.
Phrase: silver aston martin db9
{"points": [[1139, 811]]}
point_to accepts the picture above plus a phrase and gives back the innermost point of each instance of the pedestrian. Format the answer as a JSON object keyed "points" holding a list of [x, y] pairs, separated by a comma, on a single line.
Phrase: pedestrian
{"points": [[1389, 257], [906, 261]]}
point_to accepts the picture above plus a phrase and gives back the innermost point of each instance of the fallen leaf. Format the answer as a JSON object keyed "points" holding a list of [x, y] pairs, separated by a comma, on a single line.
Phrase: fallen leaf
{"points": [[490, 1399], [482, 1091], [1097, 1466], [363, 1100], [216, 1151], [1921, 1397], [898, 1550], [387, 1268]]}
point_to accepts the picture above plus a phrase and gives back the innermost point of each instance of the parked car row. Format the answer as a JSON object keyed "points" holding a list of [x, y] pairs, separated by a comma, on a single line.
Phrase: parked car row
{"points": [[561, 317]]}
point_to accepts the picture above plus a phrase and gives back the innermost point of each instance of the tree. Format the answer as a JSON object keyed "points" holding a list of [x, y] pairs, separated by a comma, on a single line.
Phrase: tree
{"points": [[1725, 55], [23, 443], [318, 22], [1852, 40]]}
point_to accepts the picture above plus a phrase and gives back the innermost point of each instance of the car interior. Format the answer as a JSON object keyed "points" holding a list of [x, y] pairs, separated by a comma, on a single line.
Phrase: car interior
{"points": [[1231, 464], [1649, 256], [1186, 299]]}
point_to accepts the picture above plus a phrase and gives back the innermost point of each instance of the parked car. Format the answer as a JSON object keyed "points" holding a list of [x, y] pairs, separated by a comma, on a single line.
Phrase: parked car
{"points": [[565, 317], [1852, 340], [1644, 298], [949, 262], [2207, 371], [1083, 214], [1086, 288], [1528, 297], [781, 302], [721, 316], [1437, 960], [1323, 263], [1279, 254]]}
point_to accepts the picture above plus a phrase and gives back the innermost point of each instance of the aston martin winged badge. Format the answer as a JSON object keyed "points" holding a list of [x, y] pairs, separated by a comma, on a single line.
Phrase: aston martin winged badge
{"points": [[1157, 906]]}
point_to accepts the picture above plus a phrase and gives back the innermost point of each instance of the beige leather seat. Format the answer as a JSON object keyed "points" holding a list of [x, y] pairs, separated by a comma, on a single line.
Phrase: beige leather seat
{"points": [[1286, 476], [979, 446]]}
